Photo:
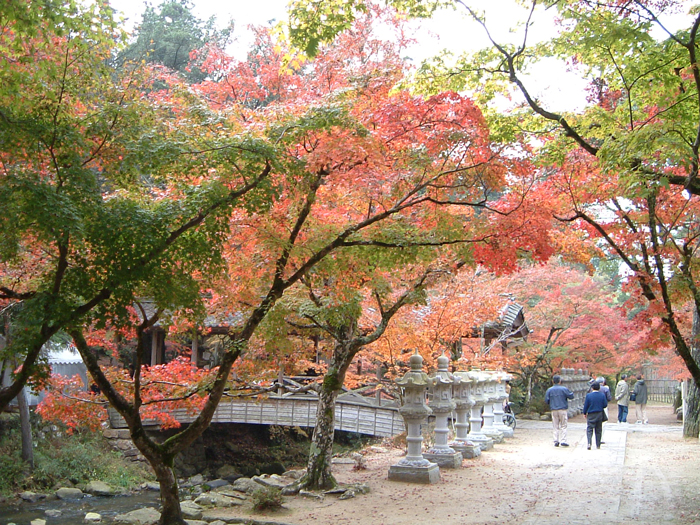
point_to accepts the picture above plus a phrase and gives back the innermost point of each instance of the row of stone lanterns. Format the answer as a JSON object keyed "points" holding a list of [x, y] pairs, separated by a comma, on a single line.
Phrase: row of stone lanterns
{"points": [[463, 394], [576, 380]]}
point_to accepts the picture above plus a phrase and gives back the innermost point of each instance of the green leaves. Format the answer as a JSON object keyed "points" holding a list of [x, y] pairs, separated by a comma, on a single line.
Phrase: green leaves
{"points": [[312, 22], [170, 35]]}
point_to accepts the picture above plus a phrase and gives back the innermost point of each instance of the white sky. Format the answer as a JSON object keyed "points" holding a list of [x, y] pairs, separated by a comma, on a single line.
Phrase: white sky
{"points": [[560, 90]]}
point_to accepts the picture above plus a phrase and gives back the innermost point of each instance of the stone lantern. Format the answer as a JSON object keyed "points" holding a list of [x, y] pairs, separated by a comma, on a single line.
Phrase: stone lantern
{"points": [[501, 396], [414, 467], [489, 429], [442, 406], [478, 394], [461, 391]]}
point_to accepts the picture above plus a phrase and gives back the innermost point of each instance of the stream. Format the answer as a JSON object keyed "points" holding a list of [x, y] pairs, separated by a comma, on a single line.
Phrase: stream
{"points": [[73, 511]]}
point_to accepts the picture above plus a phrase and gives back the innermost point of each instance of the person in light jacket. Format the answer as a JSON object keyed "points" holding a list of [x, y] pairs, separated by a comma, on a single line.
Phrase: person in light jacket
{"points": [[557, 397], [640, 400], [622, 396]]}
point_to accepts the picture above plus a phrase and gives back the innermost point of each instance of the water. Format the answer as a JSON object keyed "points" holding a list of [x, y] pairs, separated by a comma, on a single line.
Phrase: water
{"points": [[73, 511]]}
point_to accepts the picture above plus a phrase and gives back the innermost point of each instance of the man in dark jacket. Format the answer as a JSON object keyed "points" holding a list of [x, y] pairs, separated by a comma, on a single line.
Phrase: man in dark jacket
{"points": [[557, 397], [593, 407], [640, 399]]}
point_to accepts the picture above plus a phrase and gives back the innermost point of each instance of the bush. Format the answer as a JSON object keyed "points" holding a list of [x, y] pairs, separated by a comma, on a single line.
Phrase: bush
{"points": [[266, 498], [11, 470], [78, 458]]}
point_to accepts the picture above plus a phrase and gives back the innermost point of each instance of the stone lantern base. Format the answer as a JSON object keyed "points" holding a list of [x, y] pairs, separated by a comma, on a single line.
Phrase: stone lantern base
{"points": [[506, 431], [414, 473], [450, 459], [468, 449], [484, 442], [493, 433]]}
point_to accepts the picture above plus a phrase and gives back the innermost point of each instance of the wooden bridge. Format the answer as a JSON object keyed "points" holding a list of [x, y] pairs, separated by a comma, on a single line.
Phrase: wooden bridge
{"points": [[353, 413]]}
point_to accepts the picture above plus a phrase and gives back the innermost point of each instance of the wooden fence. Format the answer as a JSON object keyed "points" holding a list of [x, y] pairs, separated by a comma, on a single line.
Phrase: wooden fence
{"points": [[662, 390]]}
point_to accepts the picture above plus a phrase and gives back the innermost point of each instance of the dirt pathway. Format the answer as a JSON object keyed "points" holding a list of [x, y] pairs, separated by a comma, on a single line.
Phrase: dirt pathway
{"points": [[643, 474]]}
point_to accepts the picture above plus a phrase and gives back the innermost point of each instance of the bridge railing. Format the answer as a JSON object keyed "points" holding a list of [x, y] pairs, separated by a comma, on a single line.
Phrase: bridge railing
{"points": [[354, 413]]}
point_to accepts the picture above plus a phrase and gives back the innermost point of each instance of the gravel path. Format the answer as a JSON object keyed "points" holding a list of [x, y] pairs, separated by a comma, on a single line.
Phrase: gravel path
{"points": [[642, 475]]}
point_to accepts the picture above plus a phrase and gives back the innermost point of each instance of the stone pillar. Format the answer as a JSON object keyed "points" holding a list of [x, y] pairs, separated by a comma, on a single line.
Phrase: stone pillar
{"points": [[442, 406], [501, 396], [475, 434], [461, 390], [414, 468], [489, 428]]}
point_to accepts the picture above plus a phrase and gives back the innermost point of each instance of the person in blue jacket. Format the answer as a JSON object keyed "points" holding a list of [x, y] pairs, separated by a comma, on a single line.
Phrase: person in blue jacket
{"points": [[557, 397], [593, 407]]}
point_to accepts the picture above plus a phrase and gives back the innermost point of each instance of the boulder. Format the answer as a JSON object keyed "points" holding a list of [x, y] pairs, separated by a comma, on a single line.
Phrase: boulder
{"points": [[197, 479], [273, 481], [92, 517], [100, 488], [214, 499], [191, 510], [37, 521], [294, 474], [246, 485], [145, 516], [31, 497], [53, 513], [150, 485], [195, 522], [216, 483], [229, 491], [229, 473], [69, 493]]}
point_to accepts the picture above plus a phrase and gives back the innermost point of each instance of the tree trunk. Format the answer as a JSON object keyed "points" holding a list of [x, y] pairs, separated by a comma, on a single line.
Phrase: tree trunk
{"points": [[171, 513], [528, 391], [318, 470], [26, 430], [691, 418]]}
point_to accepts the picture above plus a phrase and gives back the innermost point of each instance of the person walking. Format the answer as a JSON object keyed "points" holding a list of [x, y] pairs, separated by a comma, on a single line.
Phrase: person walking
{"points": [[605, 389], [622, 396], [593, 407], [640, 400], [557, 397]]}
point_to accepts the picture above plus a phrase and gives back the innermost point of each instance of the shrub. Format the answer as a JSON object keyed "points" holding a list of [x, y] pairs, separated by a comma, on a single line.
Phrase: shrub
{"points": [[266, 498], [79, 458]]}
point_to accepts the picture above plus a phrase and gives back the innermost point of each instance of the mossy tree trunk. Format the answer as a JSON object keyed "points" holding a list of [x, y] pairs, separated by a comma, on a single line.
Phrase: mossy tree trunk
{"points": [[26, 430], [691, 418], [318, 470], [349, 340]]}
